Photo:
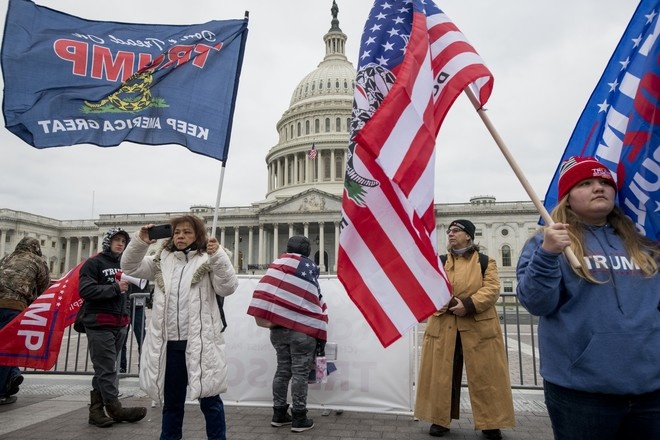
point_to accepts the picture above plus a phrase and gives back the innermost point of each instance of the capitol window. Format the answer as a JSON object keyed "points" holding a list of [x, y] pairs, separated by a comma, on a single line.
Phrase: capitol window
{"points": [[506, 256]]}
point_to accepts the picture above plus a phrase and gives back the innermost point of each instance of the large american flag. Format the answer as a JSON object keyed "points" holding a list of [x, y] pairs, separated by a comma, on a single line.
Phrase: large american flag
{"points": [[413, 64], [289, 295], [620, 124]]}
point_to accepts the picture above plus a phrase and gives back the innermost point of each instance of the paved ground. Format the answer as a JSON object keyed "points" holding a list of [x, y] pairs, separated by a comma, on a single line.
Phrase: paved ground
{"points": [[52, 407]]}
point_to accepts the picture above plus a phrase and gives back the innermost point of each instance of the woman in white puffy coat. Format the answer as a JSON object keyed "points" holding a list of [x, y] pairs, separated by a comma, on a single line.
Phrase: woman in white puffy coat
{"points": [[184, 348]]}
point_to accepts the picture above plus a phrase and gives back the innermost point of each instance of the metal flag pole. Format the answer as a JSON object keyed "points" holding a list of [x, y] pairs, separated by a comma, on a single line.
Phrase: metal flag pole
{"points": [[568, 252], [217, 200]]}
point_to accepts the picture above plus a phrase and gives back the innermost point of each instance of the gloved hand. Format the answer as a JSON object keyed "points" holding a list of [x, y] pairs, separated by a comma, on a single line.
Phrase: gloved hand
{"points": [[320, 347]]}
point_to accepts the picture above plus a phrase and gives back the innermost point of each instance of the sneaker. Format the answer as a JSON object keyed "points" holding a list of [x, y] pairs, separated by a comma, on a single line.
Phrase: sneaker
{"points": [[7, 400], [492, 434], [13, 384], [438, 431]]}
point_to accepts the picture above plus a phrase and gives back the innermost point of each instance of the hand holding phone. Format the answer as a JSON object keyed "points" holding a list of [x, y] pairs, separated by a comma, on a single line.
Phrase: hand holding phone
{"points": [[160, 231]]}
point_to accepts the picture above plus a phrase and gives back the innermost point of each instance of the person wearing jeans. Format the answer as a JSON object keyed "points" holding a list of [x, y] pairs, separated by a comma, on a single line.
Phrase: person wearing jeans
{"points": [[295, 329], [175, 397], [599, 338], [184, 347]]}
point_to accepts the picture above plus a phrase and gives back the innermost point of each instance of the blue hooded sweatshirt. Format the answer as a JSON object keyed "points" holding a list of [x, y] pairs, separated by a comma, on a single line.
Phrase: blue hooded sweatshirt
{"points": [[598, 338]]}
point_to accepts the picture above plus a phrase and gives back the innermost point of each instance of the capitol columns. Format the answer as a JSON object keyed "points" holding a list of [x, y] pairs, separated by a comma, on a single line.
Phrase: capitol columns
{"points": [[67, 264], [91, 246], [306, 229], [237, 239], [290, 230], [79, 251], [222, 237], [250, 240], [276, 236], [261, 244], [334, 265], [322, 247], [3, 240]]}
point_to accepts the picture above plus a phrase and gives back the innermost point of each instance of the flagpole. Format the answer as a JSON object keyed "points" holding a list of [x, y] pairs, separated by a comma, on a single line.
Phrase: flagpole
{"points": [[568, 252], [217, 200]]}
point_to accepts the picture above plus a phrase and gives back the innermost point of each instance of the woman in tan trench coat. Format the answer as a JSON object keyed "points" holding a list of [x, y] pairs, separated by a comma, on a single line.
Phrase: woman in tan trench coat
{"points": [[467, 328]]}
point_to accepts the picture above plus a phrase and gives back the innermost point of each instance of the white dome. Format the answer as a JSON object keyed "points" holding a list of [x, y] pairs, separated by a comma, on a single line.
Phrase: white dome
{"points": [[333, 77]]}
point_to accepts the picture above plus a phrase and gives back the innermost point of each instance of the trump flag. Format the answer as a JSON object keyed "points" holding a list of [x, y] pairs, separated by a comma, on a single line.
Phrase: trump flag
{"points": [[413, 64], [620, 124], [72, 81], [34, 337]]}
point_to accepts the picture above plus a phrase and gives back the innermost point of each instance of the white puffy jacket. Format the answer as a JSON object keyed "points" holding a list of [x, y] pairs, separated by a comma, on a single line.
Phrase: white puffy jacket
{"points": [[184, 308]]}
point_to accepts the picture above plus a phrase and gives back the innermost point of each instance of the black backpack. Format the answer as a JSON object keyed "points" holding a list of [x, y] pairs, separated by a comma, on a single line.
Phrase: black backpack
{"points": [[483, 262]]}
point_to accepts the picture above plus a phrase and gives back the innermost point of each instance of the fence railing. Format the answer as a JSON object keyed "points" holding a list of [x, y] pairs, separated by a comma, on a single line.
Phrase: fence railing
{"points": [[519, 330]]}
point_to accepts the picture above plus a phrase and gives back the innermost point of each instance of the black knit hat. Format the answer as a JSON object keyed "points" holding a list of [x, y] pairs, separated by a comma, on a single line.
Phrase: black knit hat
{"points": [[465, 225], [299, 244]]}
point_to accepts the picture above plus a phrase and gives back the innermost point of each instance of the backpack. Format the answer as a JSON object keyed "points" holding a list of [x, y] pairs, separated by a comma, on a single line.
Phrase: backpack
{"points": [[483, 262]]}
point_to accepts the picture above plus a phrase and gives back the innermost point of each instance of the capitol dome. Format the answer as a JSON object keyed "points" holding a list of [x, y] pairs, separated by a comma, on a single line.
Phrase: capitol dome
{"points": [[319, 115]]}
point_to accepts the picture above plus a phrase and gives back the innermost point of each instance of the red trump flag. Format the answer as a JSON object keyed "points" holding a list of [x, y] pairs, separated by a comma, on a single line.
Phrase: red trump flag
{"points": [[413, 64], [34, 337]]}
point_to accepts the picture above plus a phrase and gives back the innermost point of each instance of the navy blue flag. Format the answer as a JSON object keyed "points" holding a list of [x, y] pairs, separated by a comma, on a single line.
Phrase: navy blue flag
{"points": [[72, 81], [620, 125]]}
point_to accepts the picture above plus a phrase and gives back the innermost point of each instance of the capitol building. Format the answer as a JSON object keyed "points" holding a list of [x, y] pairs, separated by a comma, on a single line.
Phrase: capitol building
{"points": [[303, 195]]}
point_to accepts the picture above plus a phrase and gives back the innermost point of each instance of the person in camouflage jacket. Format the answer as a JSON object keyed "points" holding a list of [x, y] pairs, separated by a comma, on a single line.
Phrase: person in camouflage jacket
{"points": [[23, 277]]}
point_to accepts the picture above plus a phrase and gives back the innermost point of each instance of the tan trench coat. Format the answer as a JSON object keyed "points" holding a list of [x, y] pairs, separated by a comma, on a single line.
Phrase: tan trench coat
{"points": [[483, 350]]}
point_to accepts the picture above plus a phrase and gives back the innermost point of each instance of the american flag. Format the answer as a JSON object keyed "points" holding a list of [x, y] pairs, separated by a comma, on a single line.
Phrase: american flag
{"points": [[413, 64], [620, 124], [312, 153], [289, 295]]}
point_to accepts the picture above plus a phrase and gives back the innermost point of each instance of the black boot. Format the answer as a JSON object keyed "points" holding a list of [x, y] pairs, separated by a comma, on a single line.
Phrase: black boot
{"points": [[97, 416], [120, 414], [280, 416], [300, 421]]}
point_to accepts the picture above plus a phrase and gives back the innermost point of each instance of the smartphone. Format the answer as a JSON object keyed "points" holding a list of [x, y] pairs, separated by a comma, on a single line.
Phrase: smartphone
{"points": [[160, 231]]}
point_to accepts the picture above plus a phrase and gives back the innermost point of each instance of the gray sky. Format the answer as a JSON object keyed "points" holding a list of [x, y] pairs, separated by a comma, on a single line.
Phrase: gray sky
{"points": [[546, 57]]}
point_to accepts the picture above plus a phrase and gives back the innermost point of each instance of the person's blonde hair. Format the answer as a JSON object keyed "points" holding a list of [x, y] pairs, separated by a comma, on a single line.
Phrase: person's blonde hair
{"points": [[643, 251]]}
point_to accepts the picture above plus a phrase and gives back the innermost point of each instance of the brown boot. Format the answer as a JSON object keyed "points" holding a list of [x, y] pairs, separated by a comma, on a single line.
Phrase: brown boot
{"points": [[97, 416], [120, 414]]}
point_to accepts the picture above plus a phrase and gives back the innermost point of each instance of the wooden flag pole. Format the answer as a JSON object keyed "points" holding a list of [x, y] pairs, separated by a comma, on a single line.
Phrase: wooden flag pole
{"points": [[568, 252]]}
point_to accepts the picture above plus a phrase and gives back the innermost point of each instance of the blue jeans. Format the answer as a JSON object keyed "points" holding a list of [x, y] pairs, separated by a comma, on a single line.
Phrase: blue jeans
{"points": [[176, 382], [6, 316], [578, 415]]}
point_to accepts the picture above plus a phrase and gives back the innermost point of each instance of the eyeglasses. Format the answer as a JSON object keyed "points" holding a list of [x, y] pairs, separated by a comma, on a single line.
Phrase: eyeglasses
{"points": [[453, 230]]}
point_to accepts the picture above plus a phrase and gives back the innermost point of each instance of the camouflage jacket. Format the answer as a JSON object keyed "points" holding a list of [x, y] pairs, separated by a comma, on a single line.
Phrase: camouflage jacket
{"points": [[23, 275]]}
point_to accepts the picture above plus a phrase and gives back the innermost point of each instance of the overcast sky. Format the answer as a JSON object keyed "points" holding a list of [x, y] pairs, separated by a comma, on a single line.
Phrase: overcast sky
{"points": [[546, 57]]}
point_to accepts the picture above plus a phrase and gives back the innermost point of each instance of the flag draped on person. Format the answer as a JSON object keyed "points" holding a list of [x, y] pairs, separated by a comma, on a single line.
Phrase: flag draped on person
{"points": [[620, 124], [72, 81], [413, 64], [289, 295], [34, 337]]}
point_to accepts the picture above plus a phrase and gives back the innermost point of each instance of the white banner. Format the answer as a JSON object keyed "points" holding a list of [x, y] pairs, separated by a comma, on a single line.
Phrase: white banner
{"points": [[368, 376]]}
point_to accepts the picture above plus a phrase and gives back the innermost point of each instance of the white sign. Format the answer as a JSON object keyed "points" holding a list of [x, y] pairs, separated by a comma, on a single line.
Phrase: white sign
{"points": [[368, 376]]}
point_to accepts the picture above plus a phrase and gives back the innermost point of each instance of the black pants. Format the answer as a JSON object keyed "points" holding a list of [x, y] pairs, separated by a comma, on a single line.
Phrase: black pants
{"points": [[104, 347]]}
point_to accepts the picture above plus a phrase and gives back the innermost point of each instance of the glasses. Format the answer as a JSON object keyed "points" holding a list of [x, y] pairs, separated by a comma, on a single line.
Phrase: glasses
{"points": [[453, 230]]}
